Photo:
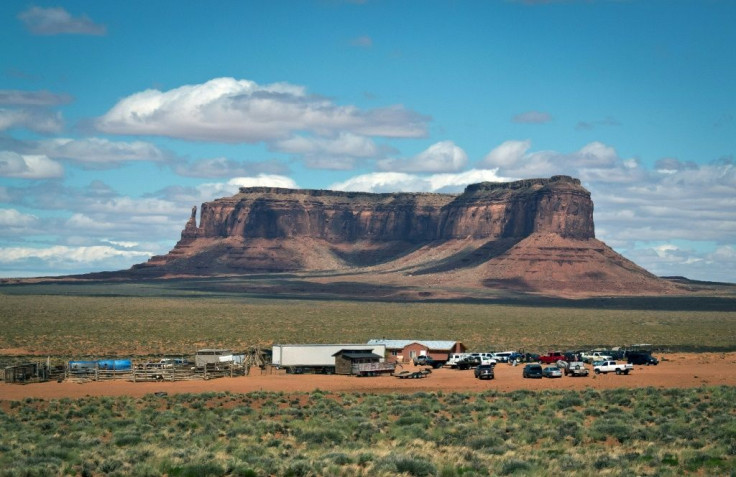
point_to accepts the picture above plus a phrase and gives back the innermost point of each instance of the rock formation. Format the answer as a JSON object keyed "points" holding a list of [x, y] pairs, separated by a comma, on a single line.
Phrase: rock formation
{"points": [[529, 235]]}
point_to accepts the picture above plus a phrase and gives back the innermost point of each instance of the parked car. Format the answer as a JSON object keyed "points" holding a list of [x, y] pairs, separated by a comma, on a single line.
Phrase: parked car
{"points": [[428, 361], [612, 367], [454, 358], [515, 356], [484, 371], [552, 372], [485, 358], [503, 356], [468, 362], [532, 371], [552, 357], [641, 358], [596, 356], [576, 368]]}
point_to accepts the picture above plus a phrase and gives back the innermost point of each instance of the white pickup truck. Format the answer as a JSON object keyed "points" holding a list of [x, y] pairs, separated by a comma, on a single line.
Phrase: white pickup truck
{"points": [[612, 367], [596, 356]]}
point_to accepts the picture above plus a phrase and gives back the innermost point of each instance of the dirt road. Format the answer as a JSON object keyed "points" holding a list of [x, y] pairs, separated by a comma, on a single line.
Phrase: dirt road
{"points": [[676, 371]]}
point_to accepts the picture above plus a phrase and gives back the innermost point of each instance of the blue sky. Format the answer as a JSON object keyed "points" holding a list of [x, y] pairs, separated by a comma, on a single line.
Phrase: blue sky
{"points": [[117, 117]]}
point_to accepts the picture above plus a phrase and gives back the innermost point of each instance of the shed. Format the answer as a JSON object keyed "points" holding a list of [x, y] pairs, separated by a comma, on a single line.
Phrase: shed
{"points": [[26, 373], [346, 359], [406, 350], [212, 356]]}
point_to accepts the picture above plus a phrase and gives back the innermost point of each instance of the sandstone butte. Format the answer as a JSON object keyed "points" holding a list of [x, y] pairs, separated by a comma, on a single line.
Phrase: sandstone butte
{"points": [[534, 235]]}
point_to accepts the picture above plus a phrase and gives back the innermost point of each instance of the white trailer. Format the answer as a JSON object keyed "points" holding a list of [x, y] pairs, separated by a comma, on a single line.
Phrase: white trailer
{"points": [[316, 358]]}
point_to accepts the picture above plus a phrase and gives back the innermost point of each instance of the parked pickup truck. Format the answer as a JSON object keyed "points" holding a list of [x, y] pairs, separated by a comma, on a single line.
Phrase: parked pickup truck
{"points": [[596, 356], [552, 357], [612, 367], [428, 361], [468, 362], [575, 368]]}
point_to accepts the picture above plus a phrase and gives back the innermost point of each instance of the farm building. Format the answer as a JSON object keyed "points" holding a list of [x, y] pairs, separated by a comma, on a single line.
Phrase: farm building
{"points": [[319, 358], [402, 351], [361, 362]]}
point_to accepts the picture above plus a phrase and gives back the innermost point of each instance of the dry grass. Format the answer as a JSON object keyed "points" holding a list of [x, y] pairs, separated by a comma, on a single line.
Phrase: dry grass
{"points": [[125, 319]]}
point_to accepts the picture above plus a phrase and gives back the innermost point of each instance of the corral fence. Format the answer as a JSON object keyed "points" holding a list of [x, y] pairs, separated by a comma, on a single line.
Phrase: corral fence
{"points": [[145, 372], [142, 369], [32, 373]]}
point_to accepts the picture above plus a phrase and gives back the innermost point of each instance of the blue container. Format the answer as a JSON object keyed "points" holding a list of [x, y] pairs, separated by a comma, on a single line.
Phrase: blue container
{"points": [[82, 367], [114, 364]]}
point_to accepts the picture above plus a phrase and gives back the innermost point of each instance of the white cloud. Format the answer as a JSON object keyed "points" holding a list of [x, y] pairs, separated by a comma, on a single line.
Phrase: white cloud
{"points": [[23, 166], [664, 250], [56, 21], [593, 162], [14, 97], [443, 156], [230, 110], [264, 180], [14, 223], [231, 187], [402, 182], [697, 261], [225, 167], [344, 144], [62, 254], [39, 120], [98, 152], [88, 224], [340, 152], [13, 218], [118, 243], [507, 154], [671, 165], [382, 182], [458, 182]]}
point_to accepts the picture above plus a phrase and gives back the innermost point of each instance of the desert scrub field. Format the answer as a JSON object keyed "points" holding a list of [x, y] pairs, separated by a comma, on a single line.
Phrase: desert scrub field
{"points": [[79, 321], [619, 432]]}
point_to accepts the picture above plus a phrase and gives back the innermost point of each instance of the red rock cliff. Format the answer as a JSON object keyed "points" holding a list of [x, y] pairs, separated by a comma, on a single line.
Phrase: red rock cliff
{"points": [[530, 235], [488, 210]]}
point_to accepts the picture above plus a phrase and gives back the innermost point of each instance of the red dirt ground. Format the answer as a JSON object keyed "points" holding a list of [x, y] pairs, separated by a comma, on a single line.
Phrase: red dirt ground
{"points": [[676, 371]]}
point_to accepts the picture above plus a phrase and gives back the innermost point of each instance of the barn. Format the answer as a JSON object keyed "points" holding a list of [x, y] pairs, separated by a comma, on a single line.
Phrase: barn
{"points": [[404, 351], [348, 359]]}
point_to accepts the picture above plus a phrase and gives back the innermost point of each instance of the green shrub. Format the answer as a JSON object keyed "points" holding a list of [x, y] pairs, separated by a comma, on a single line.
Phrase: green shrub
{"points": [[614, 427], [127, 439], [298, 468], [204, 469], [405, 464], [485, 442], [413, 419], [321, 437], [513, 466], [339, 458]]}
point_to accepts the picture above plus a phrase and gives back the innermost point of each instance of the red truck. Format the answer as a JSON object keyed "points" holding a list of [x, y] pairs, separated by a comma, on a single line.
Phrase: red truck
{"points": [[552, 357]]}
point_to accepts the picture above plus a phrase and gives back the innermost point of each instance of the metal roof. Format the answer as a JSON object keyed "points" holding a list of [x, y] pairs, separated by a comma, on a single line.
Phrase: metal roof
{"points": [[357, 354], [400, 344]]}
